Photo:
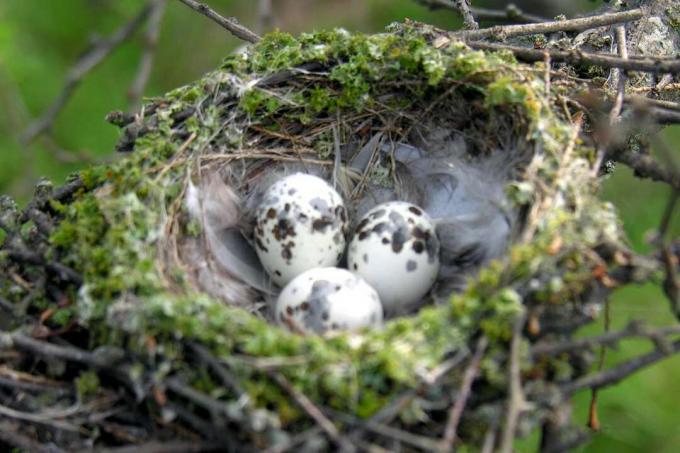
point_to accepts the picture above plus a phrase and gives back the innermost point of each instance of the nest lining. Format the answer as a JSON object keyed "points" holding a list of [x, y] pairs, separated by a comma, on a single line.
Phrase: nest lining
{"points": [[281, 102]]}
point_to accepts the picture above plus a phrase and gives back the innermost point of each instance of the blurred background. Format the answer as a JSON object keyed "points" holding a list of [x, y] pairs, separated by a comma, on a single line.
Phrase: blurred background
{"points": [[40, 42]]}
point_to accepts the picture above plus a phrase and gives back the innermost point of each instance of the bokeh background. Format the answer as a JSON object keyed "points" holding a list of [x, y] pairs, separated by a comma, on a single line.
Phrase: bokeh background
{"points": [[40, 40]]}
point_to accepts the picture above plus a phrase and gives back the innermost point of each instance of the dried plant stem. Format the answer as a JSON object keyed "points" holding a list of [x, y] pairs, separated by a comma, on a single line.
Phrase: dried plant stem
{"points": [[228, 23]]}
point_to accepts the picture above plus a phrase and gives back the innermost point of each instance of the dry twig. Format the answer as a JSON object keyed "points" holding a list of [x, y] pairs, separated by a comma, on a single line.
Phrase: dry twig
{"points": [[580, 24], [151, 35], [577, 57], [228, 23], [456, 411]]}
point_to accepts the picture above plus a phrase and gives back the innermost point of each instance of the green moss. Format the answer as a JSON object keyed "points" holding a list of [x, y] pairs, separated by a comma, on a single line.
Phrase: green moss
{"points": [[87, 384]]}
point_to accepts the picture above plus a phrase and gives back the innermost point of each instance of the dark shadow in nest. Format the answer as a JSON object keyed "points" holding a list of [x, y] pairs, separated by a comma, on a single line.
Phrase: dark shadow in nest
{"points": [[446, 152]]}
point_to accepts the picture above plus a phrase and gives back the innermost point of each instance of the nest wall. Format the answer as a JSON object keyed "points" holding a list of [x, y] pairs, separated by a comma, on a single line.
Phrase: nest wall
{"points": [[282, 100]]}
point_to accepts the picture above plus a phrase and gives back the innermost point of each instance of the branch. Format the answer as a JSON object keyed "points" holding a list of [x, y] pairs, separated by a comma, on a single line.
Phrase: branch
{"points": [[86, 63], [314, 412], [633, 330], [647, 167], [228, 23], [456, 411], [576, 57], [151, 35], [621, 371], [516, 400], [581, 24], [44, 349], [511, 12]]}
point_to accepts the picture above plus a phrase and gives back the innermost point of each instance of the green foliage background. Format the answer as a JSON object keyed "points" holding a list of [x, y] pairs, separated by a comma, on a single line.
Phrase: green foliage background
{"points": [[40, 40]]}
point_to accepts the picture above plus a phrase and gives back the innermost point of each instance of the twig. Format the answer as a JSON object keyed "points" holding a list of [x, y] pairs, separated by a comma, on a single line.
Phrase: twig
{"points": [[42, 419], [463, 7], [165, 447], [647, 167], [633, 330], [86, 63], [615, 112], [576, 57], [619, 372], [10, 434], [667, 87], [153, 29], [621, 88], [220, 370], [265, 15], [516, 402], [314, 412], [62, 271], [415, 440], [511, 12], [391, 410], [44, 349], [456, 411], [580, 24], [228, 23]]}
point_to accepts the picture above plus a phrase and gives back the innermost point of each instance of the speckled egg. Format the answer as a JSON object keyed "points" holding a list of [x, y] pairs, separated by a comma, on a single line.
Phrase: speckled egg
{"points": [[301, 224], [328, 299], [396, 250]]}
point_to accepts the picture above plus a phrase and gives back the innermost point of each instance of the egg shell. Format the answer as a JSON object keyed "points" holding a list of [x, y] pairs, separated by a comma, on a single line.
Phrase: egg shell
{"points": [[329, 299], [301, 224], [396, 250]]}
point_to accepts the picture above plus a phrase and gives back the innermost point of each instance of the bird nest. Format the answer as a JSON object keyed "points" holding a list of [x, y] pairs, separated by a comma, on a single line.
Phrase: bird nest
{"points": [[116, 286]]}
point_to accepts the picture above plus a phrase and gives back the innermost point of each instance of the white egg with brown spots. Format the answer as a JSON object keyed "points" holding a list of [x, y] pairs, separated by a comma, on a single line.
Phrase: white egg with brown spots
{"points": [[396, 250], [301, 224], [326, 300]]}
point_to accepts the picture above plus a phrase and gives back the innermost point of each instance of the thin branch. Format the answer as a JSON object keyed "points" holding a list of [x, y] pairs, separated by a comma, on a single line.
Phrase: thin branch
{"points": [[165, 447], [647, 167], [44, 349], [621, 88], [10, 434], [151, 35], [99, 51], [633, 330], [395, 434], [314, 412], [621, 371], [580, 24], [576, 57], [667, 87], [516, 401], [463, 7], [265, 16], [456, 411], [511, 13], [228, 23]]}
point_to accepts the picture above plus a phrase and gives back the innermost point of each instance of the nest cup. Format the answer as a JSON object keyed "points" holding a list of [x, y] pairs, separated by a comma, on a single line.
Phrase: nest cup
{"points": [[347, 108]]}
